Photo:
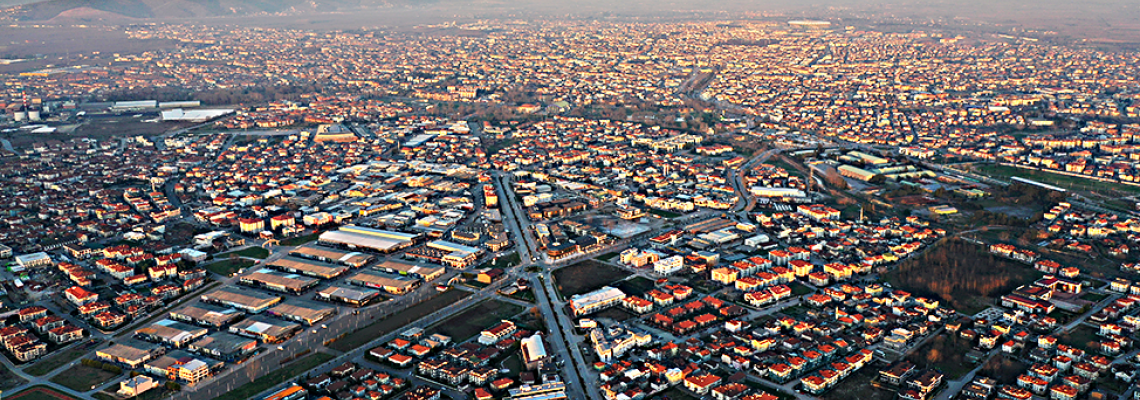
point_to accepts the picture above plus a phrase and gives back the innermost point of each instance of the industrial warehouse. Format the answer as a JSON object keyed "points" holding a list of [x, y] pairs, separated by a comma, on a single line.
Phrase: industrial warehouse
{"points": [[347, 295], [356, 237], [266, 329], [391, 283], [305, 312], [250, 301], [314, 269], [330, 255], [427, 273], [276, 281], [207, 315]]}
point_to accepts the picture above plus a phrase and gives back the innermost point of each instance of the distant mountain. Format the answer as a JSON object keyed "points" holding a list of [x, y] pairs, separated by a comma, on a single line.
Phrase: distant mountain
{"points": [[69, 9]]}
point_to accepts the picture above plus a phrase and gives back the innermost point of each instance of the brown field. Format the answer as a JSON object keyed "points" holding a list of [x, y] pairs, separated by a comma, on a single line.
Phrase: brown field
{"points": [[586, 276]]}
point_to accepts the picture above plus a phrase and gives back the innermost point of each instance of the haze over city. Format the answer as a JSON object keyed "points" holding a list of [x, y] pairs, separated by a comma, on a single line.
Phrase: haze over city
{"points": [[587, 200]]}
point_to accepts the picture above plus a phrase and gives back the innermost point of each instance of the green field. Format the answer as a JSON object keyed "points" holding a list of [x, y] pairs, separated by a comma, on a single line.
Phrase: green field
{"points": [[1063, 181], [503, 262], [1081, 337], [635, 286], [9, 379], [1094, 297], [299, 240], [39, 392], [228, 267], [60, 358], [586, 276], [251, 252], [82, 378], [473, 320], [398, 320], [249, 390]]}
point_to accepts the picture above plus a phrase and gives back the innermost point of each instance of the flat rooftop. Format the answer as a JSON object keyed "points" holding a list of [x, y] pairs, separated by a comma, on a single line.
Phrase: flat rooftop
{"points": [[309, 267]]}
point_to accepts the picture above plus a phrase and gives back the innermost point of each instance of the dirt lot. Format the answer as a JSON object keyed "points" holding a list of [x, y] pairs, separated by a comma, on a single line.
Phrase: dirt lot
{"points": [[469, 323], [586, 276]]}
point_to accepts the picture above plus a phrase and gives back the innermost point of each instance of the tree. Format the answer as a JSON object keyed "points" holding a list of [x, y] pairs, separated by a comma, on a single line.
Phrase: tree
{"points": [[877, 179], [173, 386]]}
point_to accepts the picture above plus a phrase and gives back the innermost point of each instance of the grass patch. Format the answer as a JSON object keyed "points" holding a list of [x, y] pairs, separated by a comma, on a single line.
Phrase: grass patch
{"points": [[504, 262], [1094, 297], [299, 240], [1065, 181], [251, 252], [229, 266], [82, 378], [61, 358], [523, 295], [513, 363], [250, 390], [663, 213], [39, 392], [799, 289], [636, 286], [945, 353], [482, 316], [9, 379], [1082, 337], [399, 320], [586, 276], [608, 256]]}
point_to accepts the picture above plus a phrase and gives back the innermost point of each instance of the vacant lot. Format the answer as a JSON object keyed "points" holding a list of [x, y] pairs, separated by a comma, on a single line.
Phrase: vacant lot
{"points": [[251, 252], [58, 359], [39, 392], [398, 320], [229, 266], [663, 213], [247, 391], [945, 353], [859, 386], [614, 313], [586, 276], [962, 275], [82, 378], [470, 322]]}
